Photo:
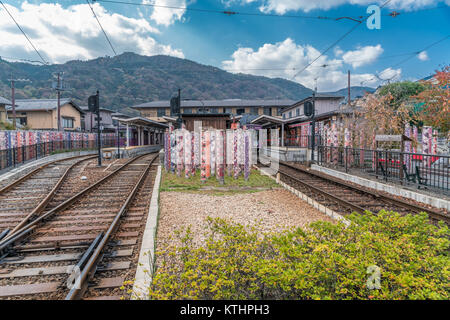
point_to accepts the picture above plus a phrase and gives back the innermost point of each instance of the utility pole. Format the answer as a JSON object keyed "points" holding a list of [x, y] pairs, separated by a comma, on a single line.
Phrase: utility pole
{"points": [[313, 125], [13, 97], [13, 100], [179, 120], [99, 140], [348, 101], [59, 88]]}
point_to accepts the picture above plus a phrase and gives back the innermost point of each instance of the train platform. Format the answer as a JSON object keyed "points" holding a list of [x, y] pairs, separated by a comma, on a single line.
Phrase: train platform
{"points": [[431, 197]]}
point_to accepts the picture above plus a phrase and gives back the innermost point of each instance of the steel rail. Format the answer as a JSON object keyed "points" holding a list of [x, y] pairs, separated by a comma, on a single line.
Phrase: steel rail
{"points": [[89, 270], [340, 201], [41, 206], [16, 182], [20, 233], [399, 202]]}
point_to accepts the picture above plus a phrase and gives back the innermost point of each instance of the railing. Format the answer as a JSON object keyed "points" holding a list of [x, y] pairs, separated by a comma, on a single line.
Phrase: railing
{"points": [[422, 170], [15, 156], [302, 141]]}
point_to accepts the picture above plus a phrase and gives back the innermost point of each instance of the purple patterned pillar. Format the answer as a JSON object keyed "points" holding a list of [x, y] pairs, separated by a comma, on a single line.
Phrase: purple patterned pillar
{"points": [[235, 154], [219, 156], [187, 153], [407, 146], [203, 156], [246, 155]]}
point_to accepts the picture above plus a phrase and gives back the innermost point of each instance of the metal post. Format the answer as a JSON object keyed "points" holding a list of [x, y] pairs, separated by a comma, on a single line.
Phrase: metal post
{"points": [[118, 139], [13, 98], [59, 104], [128, 136], [346, 156], [313, 127], [386, 160], [99, 140]]}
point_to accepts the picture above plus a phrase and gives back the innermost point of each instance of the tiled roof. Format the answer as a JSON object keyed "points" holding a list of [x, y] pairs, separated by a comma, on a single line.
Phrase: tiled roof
{"points": [[42, 104], [86, 109], [4, 101], [219, 103]]}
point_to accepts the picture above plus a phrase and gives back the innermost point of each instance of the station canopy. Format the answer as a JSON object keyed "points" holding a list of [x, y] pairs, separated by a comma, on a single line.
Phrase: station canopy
{"points": [[142, 122]]}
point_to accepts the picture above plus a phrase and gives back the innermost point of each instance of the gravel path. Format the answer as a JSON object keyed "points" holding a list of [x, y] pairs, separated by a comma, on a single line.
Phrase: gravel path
{"points": [[275, 210]]}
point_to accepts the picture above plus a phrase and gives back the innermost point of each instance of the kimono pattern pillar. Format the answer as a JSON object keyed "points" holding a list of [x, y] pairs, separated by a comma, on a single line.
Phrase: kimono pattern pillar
{"points": [[407, 156], [219, 156], [187, 153]]}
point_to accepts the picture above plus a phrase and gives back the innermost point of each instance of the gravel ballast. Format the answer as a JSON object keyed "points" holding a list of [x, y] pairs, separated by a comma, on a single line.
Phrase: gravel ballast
{"points": [[271, 210]]}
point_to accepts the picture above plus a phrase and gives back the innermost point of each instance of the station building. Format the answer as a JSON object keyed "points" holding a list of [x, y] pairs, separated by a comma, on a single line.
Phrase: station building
{"points": [[295, 127], [156, 110]]}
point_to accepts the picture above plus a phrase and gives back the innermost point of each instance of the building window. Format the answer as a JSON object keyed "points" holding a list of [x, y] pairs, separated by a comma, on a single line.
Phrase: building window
{"points": [[214, 110], [203, 110], [240, 111], [254, 111], [23, 121], [290, 114], [187, 110], [284, 115], [228, 110], [278, 111], [67, 122], [267, 111], [161, 112], [297, 112]]}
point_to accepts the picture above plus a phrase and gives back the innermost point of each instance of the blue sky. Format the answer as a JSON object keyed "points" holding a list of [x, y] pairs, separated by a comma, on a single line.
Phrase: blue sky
{"points": [[262, 45]]}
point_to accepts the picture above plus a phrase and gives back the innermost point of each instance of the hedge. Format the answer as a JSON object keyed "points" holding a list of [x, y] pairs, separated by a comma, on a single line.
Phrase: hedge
{"points": [[324, 261]]}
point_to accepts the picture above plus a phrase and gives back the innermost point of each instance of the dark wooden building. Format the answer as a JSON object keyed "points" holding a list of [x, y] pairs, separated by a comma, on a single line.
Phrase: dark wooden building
{"points": [[209, 120]]}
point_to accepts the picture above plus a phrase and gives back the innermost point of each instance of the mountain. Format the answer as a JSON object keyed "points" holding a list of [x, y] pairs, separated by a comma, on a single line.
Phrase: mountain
{"points": [[129, 79], [355, 91]]}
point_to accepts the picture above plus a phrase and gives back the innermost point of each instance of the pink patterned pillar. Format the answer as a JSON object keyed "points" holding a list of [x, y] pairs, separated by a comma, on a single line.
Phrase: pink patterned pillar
{"points": [[208, 153], [219, 156], [187, 153], [407, 146], [203, 156]]}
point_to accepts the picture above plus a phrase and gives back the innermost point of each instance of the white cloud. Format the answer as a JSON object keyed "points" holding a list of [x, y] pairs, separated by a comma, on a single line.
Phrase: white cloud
{"points": [[338, 51], [389, 74], [62, 34], [362, 56], [292, 58], [164, 15], [282, 6], [423, 56]]}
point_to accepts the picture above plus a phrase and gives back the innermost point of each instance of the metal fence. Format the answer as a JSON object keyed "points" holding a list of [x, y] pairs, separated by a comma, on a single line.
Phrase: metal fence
{"points": [[302, 141], [15, 156], [422, 170]]}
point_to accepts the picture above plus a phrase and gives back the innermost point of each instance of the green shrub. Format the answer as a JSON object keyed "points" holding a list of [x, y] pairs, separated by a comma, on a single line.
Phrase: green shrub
{"points": [[326, 261]]}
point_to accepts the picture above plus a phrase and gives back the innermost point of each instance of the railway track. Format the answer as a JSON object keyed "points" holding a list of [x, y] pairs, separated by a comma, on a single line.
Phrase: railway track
{"points": [[29, 195], [84, 247], [344, 197]]}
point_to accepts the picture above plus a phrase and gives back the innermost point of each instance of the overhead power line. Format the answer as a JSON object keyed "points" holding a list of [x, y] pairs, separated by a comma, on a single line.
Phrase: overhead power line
{"points": [[411, 55], [260, 14], [337, 41], [101, 27], [23, 32], [225, 12]]}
